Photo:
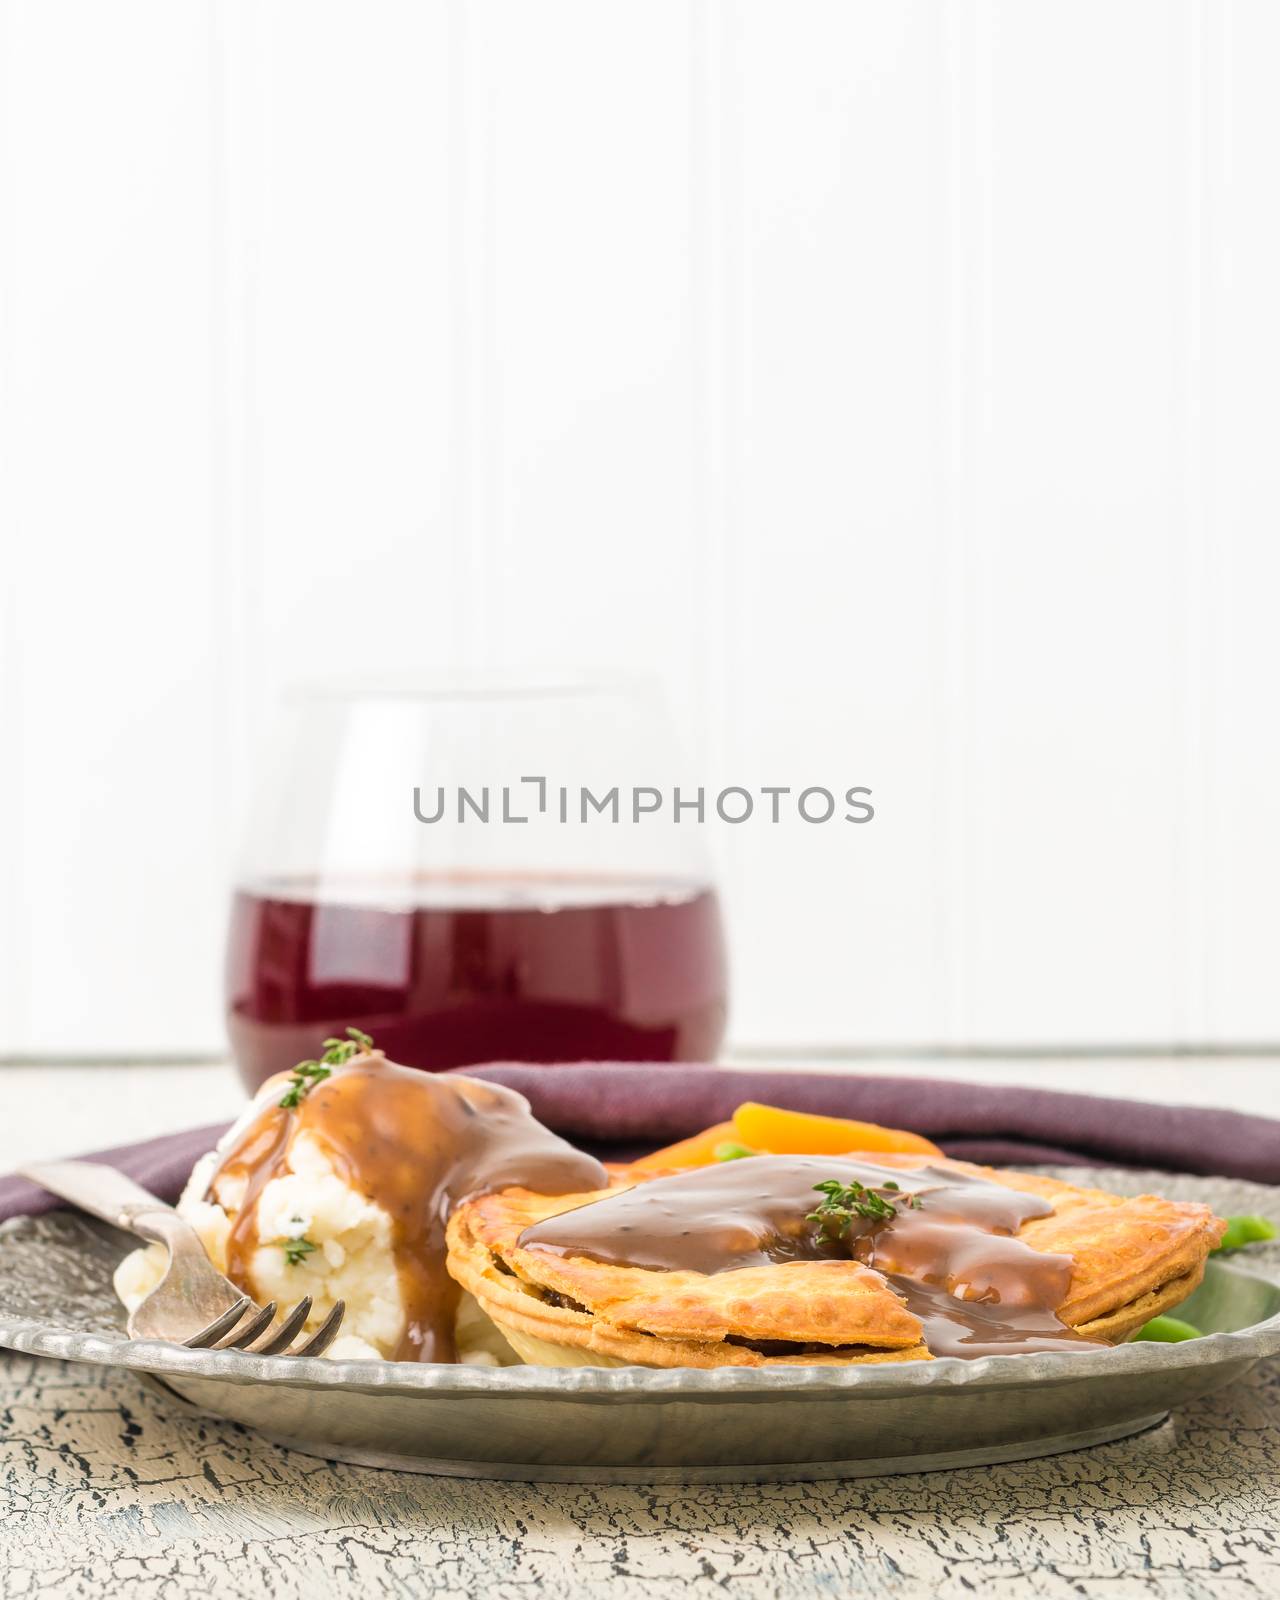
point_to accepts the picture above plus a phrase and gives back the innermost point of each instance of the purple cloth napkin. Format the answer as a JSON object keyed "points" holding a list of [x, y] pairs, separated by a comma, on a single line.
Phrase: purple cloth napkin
{"points": [[159, 1165], [623, 1110]]}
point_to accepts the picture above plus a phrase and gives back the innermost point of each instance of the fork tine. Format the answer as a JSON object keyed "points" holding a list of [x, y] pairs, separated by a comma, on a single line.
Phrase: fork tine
{"points": [[325, 1334], [219, 1326], [283, 1336], [249, 1331]]}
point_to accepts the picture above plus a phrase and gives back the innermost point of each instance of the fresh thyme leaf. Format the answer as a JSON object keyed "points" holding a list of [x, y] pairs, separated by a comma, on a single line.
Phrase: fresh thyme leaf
{"points": [[296, 1249], [336, 1053], [843, 1202], [305, 1076]]}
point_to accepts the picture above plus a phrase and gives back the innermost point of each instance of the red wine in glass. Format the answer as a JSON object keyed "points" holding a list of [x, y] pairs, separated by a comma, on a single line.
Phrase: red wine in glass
{"points": [[455, 969]]}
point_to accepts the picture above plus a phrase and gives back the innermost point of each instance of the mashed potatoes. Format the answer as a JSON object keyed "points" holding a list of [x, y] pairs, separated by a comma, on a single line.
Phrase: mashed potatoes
{"points": [[352, 1258]]}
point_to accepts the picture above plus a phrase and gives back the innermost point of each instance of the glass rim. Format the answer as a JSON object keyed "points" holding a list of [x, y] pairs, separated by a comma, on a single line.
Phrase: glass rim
{"points": [[470, 686]]}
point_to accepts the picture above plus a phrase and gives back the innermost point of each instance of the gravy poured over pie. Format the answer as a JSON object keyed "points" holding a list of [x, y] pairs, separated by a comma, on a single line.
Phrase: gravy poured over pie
{"points": [[737, 1264], [949, 1248]]}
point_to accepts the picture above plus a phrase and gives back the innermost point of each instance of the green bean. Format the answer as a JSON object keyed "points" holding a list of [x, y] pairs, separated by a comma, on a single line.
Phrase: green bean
{"points": [[1242, 1231], [730, 1150], [1168, 1330]]}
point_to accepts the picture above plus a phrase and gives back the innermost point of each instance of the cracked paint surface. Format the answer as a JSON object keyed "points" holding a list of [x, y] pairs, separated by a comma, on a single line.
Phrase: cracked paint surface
{"points": [[108, 1487]]}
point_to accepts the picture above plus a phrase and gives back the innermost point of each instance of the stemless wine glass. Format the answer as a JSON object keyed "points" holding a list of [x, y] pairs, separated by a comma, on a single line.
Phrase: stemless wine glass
{"points": [[474, 873]]}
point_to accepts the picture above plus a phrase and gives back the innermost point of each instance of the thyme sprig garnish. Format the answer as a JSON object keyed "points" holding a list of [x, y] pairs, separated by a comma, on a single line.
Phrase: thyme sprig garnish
{"points": [[842, 1203], [295, 1250], [336, 1053]]}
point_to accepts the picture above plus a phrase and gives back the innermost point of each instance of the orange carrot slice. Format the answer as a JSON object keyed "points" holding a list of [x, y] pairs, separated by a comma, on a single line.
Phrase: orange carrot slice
{"points": [[802, 1133], [696, 1151]]}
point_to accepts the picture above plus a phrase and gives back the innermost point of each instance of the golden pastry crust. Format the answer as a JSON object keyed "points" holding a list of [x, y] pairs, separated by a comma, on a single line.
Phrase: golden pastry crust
{"points": [[1133, 1258], [637, 1316]]}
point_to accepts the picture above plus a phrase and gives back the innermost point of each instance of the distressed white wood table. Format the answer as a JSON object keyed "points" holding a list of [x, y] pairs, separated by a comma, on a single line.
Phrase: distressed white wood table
{"points": [[108, 1488]]}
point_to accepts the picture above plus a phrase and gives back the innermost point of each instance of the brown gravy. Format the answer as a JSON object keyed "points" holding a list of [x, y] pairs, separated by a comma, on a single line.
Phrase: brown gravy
{"points": [[417, 1145], [955, 1260]]}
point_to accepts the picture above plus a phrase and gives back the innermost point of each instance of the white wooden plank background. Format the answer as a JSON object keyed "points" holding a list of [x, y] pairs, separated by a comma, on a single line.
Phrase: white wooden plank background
{"points": [[896, 382]]}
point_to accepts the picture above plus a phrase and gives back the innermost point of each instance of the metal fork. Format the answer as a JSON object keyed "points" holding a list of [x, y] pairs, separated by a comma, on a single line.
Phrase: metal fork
{"points": [[193, 1304]]}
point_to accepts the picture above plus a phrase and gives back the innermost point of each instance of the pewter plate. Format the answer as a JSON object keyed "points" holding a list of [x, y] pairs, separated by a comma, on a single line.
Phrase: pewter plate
{"points": [[635, 1425]]}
